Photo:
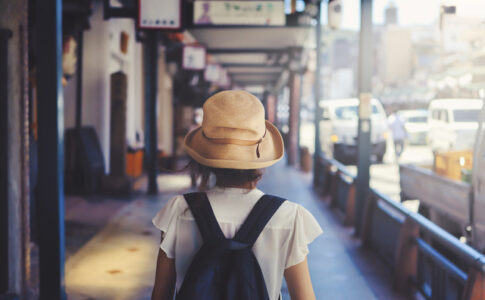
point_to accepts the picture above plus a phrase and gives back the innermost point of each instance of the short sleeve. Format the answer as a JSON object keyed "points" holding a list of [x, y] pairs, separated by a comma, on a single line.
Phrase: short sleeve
{"points": [[305, 230], [166, 221]]}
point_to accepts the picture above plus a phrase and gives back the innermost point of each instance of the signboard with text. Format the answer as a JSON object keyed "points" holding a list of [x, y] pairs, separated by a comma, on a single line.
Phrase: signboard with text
{"points": [[212, 72], [193, 57], [157, 14], [251, 13]]}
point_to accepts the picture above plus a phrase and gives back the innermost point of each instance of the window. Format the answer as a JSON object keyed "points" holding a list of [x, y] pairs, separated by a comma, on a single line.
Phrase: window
{"points": [[417, 119], [325, 114], [352, 112], [466, 115]]}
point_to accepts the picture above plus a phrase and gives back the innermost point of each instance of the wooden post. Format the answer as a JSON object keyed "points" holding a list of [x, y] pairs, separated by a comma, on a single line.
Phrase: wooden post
{"points": [[271, 107], [406, 256], [350, 208], [325, 172], [366, 229], [5, 35], [334, 188], [294, 119], [475, 286]]}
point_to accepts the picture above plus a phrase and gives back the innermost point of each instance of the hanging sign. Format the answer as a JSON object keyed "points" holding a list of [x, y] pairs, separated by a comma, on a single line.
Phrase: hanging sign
{"points": [[193, 57], [365, 109], [157, 14], [271, 13], [224, 79], [212, 72]]}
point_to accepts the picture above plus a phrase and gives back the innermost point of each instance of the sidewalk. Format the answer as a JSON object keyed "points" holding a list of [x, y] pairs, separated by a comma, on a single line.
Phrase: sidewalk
{"points": [[119, 262], [339, 268]]}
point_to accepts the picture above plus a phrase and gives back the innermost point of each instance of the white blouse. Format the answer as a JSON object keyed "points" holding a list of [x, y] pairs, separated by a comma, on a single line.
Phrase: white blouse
{"points": [[282, 243]]}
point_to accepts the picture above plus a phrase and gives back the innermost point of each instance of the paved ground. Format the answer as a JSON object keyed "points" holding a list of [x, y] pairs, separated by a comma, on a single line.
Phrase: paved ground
{"points": [[339, 267], [119, 262]]}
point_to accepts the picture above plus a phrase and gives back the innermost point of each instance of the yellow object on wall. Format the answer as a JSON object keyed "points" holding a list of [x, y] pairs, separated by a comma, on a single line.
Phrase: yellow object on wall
{"points": [[450, 164]]}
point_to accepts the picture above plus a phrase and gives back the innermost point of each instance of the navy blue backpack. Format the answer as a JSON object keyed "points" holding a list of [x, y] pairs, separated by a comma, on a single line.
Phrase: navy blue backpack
{"points": [[226, 269]]}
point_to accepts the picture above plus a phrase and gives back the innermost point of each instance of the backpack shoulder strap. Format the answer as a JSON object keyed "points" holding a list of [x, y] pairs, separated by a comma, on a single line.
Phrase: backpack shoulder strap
{"points": [[257, 219], [204, 216]]}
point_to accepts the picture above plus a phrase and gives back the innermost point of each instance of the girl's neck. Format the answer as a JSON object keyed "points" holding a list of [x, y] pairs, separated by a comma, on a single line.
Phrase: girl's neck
{"points": [[247, 185]]}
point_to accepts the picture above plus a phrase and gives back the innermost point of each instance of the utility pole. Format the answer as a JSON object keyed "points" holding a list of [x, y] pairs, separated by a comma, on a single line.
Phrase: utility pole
{"points": [[317, 90], [365, 89]]}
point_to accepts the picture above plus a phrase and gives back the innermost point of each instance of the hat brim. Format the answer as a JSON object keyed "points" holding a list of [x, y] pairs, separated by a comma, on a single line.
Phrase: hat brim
{"points": [[231, 156]]}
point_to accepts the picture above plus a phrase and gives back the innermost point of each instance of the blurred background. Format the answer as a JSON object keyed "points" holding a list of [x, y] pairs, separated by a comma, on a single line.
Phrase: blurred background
{"points": [[380, 104]]}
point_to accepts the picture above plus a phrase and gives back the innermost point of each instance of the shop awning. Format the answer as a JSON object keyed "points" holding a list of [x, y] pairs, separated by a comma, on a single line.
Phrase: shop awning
{"points": [[254, 56]]}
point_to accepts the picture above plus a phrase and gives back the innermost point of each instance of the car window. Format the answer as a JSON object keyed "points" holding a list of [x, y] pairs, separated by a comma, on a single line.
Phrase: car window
{"points": [[417, 119], [325, 114], [352, 112], [466, 115], [346, 113]]}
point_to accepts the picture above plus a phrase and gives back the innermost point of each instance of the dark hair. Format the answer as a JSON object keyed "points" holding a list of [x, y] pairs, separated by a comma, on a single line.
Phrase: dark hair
{"points": [[225, 177]]}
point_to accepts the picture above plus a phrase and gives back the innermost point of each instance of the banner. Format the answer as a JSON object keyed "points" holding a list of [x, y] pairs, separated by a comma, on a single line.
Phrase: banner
{"points": [[270, 13]]}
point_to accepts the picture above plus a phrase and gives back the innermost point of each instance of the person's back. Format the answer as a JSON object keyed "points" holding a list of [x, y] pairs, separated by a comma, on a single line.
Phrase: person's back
{"points": [[398, 128], [281, 247]]}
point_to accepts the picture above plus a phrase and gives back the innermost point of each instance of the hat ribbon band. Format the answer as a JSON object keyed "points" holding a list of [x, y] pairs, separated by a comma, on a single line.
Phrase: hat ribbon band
{"points": [[225, 141]]}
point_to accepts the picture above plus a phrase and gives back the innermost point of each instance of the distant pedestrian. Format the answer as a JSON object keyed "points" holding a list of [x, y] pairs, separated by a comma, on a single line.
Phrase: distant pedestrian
{"points": [[399, 133], [212, 240]]}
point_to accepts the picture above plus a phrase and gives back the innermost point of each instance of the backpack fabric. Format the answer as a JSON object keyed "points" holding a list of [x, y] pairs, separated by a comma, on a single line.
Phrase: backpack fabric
{"points": [[226, 269]]}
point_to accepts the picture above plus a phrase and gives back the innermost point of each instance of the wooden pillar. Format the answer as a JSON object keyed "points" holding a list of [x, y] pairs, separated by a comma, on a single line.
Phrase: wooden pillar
{"points": [[5, 35], [406, 256], [294, 118], [475, 286], [117, 155], [317, 92], [271, 108], [366, 230], [334, 177], [350, 208]]}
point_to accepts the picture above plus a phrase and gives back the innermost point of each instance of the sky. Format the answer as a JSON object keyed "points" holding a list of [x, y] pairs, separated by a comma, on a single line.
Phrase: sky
{"points": [[410, 12]]}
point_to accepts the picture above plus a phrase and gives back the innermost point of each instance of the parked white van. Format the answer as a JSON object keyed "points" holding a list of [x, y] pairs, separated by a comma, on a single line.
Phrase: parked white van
{"points": [[338, 129], [453, 123]]}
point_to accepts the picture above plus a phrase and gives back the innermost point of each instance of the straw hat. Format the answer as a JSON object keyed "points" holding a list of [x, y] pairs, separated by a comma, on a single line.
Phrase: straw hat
{"points": [[234, 134]]}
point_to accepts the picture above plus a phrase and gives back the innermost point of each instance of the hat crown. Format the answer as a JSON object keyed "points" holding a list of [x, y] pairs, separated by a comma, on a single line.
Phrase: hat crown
{"points": [[234, 114]]}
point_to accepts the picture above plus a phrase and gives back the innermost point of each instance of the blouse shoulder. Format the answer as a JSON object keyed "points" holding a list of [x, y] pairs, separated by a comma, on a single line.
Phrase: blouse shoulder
{"points": [[291, 213], [174, 208], [166, 221], [304, 228]]}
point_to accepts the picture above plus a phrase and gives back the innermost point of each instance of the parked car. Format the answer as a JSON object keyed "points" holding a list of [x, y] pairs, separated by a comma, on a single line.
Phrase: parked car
{"points": [[416, 124], [338, 129], [453, 123]]}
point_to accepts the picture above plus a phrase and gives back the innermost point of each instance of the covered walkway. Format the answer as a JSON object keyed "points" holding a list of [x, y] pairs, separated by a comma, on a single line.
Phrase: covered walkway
{"points": [[94, 98], [119, 262]]}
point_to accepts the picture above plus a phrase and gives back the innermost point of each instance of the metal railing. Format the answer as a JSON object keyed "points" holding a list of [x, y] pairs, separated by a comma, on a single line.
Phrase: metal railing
{"points": [[422, 256]]}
